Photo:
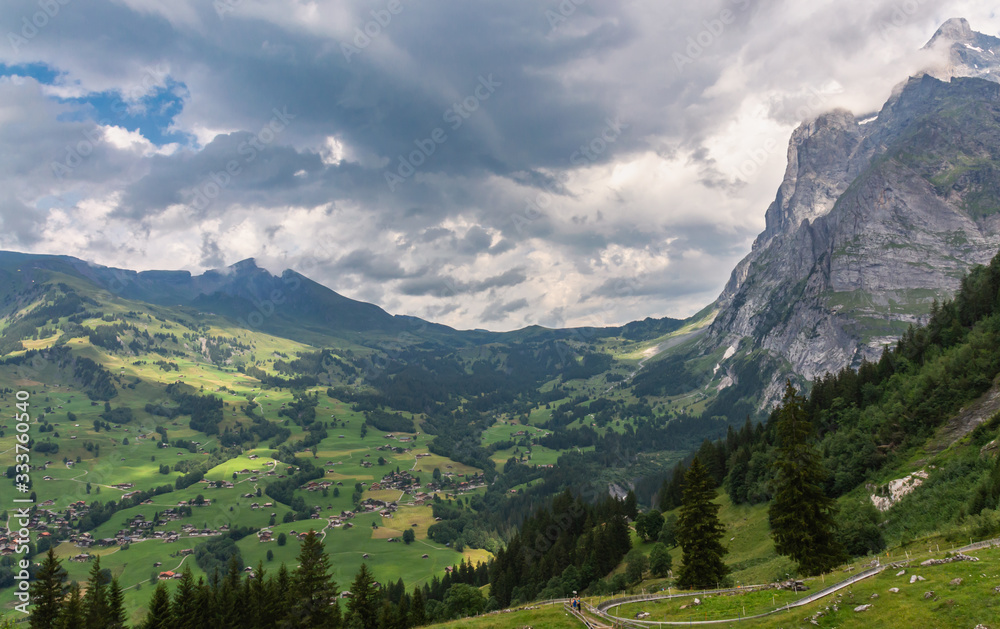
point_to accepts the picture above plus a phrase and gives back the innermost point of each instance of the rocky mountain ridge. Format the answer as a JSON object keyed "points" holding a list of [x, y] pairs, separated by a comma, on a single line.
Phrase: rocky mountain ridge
{"points": [[875, 219]]}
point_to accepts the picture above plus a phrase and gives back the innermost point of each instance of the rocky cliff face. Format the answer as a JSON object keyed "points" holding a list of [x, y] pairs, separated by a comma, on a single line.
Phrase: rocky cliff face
{"points": [[875, 219]]}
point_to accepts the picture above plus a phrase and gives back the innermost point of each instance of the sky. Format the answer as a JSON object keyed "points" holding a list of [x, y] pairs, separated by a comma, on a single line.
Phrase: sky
{"points": [[490, 164]]}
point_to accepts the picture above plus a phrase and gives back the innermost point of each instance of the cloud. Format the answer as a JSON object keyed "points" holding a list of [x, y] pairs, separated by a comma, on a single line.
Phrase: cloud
{"points": [[498, 311], [628, 144]]}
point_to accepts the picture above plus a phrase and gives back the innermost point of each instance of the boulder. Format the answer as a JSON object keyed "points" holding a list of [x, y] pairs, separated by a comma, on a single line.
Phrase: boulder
{"points": [[862, 608], [929, 594], [955, 581], [901, 573], [916, 577], [894, 590]]}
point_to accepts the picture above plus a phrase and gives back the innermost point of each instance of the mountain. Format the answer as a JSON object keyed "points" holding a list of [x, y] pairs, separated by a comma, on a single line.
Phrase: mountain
{"points": [[288, 305], [875, 219]]}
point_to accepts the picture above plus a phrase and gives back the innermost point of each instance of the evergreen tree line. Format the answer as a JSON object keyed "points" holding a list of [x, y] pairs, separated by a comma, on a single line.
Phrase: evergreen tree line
{"points": [[304, 598], [565, 548]]}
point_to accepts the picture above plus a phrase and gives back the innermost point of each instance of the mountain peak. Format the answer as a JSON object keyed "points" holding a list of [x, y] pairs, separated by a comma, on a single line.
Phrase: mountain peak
{"points": [[957, 29], [964, 52], [244, 266]]}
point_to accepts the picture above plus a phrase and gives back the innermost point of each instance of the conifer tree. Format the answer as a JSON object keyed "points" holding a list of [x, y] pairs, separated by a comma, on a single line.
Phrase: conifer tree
{"points": [[116, 605], [314, 588], [363, 605], [205, 601], [802, 516], [261, 605], [159, 616], [672, 489], [631, 505], [418, 615], [279, 591], [185, 602], [47, 593], [227, 604], [699, 532], [71, 616], [96, 600]]}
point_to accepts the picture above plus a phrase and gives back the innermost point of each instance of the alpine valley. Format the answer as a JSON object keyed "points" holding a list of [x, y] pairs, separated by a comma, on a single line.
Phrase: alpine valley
{"points": [[205, 449]]}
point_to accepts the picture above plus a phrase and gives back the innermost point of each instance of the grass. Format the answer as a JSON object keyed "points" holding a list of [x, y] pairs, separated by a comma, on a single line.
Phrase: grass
{"points": [[711, 607], [547, 617]]}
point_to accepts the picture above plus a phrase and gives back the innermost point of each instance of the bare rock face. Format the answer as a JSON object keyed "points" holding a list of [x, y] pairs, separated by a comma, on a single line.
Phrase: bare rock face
{"points": [[963, 51], [875, 219]]}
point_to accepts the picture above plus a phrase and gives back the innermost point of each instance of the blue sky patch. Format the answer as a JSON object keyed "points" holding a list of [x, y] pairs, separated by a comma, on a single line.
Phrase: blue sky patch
{"points": [[150, 115]]}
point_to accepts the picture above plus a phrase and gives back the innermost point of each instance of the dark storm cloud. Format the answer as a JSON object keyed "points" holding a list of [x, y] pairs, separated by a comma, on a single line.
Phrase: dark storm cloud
{"points": [[431, 283], [370, 265], [498, 311]]}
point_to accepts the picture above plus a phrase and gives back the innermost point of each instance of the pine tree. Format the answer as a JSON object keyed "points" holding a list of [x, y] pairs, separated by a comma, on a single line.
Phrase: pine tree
{"points": [[631, 505], [71, 616], [672, 489], [802, 516], [279, 591], [418, 616], [96, 599], [159, 616], [205, 601], [185, 603], [314, 588], [699, 532], [116, 605], [389, 617], [227, 606], [47, 593], [261, 606], [363, 605]]}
